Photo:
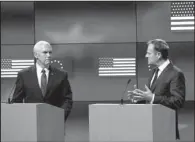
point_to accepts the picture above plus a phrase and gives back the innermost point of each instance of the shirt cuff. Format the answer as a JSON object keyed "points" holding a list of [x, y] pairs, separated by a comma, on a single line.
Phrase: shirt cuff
{"points": [[151, 102]]}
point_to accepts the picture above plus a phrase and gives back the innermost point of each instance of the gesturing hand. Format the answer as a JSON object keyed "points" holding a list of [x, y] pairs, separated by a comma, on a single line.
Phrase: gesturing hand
{"points": [[139, 94]]}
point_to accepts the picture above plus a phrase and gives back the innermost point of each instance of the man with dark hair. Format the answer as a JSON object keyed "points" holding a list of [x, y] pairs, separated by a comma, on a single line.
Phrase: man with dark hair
{"points": [[43, 83], [166, 86]]}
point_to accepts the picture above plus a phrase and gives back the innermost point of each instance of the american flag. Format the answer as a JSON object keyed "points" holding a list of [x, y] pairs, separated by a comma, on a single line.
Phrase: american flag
{"points": [[182, 16], [117, 67], [11, 67]]}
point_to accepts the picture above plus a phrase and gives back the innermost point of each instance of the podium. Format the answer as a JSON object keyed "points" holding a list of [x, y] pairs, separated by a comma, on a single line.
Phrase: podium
{"points": [[31, 122], [131, 123]]}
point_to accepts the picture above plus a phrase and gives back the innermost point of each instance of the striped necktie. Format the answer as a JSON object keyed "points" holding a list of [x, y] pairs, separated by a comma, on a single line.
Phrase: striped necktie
{"points": [[43, 82], [155, 77]]}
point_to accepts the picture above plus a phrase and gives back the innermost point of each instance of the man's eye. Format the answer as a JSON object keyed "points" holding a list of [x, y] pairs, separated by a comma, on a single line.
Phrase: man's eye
{"points": [[45, 52]]}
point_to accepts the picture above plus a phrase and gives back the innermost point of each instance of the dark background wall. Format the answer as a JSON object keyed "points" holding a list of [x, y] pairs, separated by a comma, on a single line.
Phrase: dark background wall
{"points": [[81, 32]]}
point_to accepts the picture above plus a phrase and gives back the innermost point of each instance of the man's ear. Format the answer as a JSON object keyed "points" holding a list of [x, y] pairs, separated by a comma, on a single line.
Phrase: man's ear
{"points": [[35, 55], [159, 55]]}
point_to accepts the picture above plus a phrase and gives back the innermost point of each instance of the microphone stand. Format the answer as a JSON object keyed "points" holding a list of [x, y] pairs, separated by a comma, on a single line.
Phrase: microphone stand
{"points": [[122, 101], [9, 97]]}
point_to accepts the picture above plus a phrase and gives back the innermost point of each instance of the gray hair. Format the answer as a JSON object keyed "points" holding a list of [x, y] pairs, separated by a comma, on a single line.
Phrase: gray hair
{"points": [[40, 44], [160, 46]]}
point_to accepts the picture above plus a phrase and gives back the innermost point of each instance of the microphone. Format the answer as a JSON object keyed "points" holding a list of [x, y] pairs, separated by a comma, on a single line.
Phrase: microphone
{"points": [[9, 97], [125, 91]]}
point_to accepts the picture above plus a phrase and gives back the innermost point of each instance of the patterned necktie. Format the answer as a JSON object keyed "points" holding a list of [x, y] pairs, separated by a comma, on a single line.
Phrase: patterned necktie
{"points": [[43, 82], [155, 77]]}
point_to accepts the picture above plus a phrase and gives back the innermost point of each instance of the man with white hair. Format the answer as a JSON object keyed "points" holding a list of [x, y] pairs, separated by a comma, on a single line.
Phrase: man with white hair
{"points": [[43, 83]]}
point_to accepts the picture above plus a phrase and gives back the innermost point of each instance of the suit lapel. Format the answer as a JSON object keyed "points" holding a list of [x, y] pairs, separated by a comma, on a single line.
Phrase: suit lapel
{"points": [[161, 76], [34, 79]]}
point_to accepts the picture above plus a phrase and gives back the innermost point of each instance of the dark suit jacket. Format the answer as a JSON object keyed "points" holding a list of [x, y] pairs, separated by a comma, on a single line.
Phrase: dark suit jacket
{"points": [[169, 90], [58, 89]]}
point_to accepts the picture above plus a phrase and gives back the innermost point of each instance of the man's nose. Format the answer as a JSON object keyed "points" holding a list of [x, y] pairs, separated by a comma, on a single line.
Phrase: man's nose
{"points": [[48, 54]]}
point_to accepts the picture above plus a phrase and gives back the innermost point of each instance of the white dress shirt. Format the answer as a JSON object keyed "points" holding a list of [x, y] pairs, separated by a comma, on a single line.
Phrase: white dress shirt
{"points": [[39, 73], [161, 68]]}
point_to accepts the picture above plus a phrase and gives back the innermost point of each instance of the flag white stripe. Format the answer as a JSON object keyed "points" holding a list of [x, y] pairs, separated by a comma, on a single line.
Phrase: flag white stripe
{"points": [[19, 61], [117, 68], [16, 64], [117, 71], [182, 28], [119, 74], [122, 59], [9, 72], [183, 23], [131, 62], [124, 65], [7, 76], [182, 18], [20, 67]]}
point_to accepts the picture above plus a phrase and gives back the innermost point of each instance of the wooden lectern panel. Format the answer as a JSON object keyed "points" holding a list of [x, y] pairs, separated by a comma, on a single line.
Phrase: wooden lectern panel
{"points": [[31, 122], [130, 123]]}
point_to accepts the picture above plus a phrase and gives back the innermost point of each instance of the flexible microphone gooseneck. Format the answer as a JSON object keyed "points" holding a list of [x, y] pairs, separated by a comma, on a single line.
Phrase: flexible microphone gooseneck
{"points": [[122, 100], [9, 97]]}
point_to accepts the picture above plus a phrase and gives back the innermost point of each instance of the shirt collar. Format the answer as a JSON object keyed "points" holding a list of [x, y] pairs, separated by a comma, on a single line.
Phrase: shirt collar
{"points": [[39, 68], [164, 65]]}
